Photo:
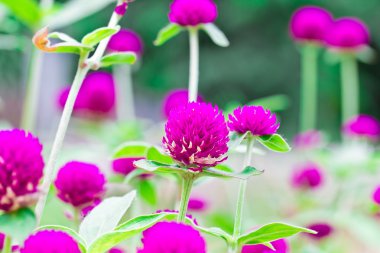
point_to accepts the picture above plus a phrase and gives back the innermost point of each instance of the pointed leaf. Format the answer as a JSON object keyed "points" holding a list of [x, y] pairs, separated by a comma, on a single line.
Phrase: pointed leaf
{"points": [[71, 48], [274, 142], [118, 58], [131, 149], [18, 224], [166, 33], [217, 36], [94, 37], [155, 167], [105, 217], [155, 155], [245, 174]]}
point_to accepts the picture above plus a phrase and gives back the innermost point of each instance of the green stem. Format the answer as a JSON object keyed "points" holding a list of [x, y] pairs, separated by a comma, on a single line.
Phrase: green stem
{"points": [[309, 90], [241, 198], [194, 64], [350, 87], [187, 184], [7, 248]]}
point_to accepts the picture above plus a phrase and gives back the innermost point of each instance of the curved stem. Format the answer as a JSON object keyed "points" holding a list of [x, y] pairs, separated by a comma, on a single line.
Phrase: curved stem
{"points": [[350, 87], [194, 64], [241, 198], [185, 196], [309, 90], [7, 248]]}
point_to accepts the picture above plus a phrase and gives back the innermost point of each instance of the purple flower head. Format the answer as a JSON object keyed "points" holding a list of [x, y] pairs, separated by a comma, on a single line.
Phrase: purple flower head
{"points": [[307, 176], [124, 166], [80, 184], [196, 135], [323, 230], [308, 140], [126, 40], [253, 119], [310, 23], [21, 168], [121, 9], [363, 126], [170, 237], [347, 34], [197, 205], [116, 250], [48, 241], [376, 195], [174, 99], [96, 98], [193, 12], [281, 246]]}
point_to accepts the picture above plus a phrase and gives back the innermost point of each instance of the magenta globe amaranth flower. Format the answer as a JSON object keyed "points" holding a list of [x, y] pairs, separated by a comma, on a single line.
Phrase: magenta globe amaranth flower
{"points": [[197, 204], [80, 184], [310, 24], [281, 246], [363, 126], [49, 241], [253, 119], [174, 99], [21, 168], [308, 139], [96, 98], [323, 230], [307, 176], [124, 166], [193, 12], [126, 40], [347, 34], [172, 237], [196, 135], [376, 195]]}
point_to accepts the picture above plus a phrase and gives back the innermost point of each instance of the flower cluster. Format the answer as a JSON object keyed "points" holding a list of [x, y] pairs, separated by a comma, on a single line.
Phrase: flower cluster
{"points": [[307, 176], [167, 237], [363, 126], [80, 184], [193, 12], [21, 168], [281, 246], [196, 135], [174, 99]]}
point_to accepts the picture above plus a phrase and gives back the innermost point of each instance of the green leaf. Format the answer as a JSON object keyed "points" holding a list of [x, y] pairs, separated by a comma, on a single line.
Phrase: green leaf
{"points": [[27, 11], [274, 142], [105, 217], [157, 156], [118, 58], [131, 149], [147, 192], [81, 242], [245, 174], [71, 48], [94, 37], [18, 224], [155, 167], [270, 233], [216, 35], [166, 33]]}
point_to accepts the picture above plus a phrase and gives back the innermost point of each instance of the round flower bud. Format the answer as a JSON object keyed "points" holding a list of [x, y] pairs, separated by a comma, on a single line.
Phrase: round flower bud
{"points": [[174, 99], [48, 241], [80, 184], [169, 237], [323, 230], [196, 135], [362, 126], [21, 169], [253, 119], [307, 176], [347, 34], [281, 246], [193, 12], [376, 195], [126, 40], [96, 98], [310, 24]]}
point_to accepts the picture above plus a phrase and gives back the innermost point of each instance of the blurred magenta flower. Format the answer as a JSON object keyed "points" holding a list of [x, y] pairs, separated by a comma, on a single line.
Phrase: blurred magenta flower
{"points": [[310, 24], [48, 241], [126, 40], [21, 169], [169, 237], [376, 195], [96, 98], [308, 140], [193, 12], [121, 9], [176, 98], [196, 135], [347, 34], [116, 250], [253, 119], [197, 205], [307, 176], [363, 126], [323, 230], [124, 166], [281, 246], [2, 238], [80, 184]]}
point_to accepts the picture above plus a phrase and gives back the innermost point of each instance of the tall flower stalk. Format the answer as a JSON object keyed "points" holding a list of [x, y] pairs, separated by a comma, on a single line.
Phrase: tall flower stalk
{"points": [[187, 184], [350, 87], [194, 64]]}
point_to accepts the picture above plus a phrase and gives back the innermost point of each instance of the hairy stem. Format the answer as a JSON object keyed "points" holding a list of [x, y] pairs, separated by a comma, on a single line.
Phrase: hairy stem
{"points": [[309, 87], [350, 87], [185, 196], [194, 64]]}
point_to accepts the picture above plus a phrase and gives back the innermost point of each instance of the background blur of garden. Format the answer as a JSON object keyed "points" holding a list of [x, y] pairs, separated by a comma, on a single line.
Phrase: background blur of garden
{"points": [[261, 61]]}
